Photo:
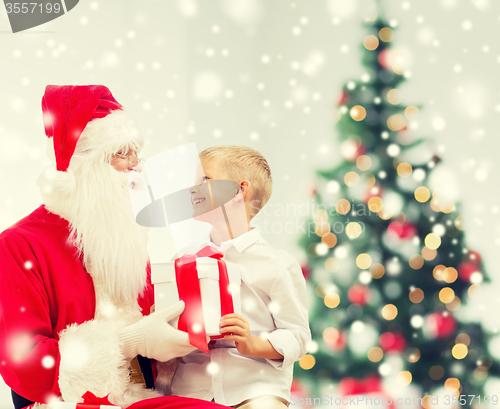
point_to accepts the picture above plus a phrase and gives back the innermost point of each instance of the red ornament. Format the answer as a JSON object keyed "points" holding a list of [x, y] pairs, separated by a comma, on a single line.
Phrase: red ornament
{"points": [[334, 339], [374, 191], [401, 230], [353, 386], [466, 269], [441, 325], [352, 149], [301, 394], [358, 294], [384, 59], [392, 342], [368, 389], [474, 257], [361, 150], [344, 98], [306, 271]]}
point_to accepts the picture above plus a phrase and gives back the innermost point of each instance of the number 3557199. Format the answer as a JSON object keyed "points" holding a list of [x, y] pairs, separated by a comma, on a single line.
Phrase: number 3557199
{"points": [[38, 8]]}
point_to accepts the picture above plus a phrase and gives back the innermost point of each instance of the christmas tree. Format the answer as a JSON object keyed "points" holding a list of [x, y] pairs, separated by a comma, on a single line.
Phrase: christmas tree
{"points": [[388, 260]]}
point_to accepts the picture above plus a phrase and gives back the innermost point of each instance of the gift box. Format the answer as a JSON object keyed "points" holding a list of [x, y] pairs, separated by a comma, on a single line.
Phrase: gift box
{"points": [[163, 277], [69, 405]]}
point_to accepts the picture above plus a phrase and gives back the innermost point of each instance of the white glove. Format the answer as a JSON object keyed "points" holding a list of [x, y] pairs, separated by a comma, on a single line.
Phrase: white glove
{"points": [[153, 337]]}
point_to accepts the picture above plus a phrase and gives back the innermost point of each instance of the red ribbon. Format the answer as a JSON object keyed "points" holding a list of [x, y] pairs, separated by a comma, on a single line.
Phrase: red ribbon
{"points": [[89, 399], [188, 286]]}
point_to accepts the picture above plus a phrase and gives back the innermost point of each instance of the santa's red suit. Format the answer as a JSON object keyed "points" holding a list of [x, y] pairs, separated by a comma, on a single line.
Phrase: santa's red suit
{"points": [[62, 322], [44, 289]]}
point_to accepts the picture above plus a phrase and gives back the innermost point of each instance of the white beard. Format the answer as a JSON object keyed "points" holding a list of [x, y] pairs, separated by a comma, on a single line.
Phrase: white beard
{"points": [[94, 198]]}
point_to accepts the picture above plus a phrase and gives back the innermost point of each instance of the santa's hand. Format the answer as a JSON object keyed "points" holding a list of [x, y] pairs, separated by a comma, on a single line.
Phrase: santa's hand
{"points": [[153, 337]]}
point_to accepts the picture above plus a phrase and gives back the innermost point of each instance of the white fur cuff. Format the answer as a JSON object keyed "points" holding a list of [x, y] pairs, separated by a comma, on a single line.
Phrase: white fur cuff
{"points": [[91, 361]]}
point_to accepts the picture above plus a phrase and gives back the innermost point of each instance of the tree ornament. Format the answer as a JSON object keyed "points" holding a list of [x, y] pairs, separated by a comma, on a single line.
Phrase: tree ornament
{"points": [[344, 99], [334, 339], [466, 269], [306, 271], [393, 342], [474, 257], [351, 150], [441, 325], [405, 231], [358, 294], [375, 191]]}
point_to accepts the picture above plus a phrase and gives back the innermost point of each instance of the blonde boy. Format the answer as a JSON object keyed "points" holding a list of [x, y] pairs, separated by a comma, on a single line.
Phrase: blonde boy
{"points": [[252, 367]]}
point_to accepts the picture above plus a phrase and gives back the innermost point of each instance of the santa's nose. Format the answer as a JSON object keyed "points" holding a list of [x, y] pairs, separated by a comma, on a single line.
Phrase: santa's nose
{"points": [[137, 167]]}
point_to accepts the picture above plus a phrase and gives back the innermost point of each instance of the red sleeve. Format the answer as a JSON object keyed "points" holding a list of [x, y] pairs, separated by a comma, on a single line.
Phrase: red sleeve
{"points": [[29, 353]]}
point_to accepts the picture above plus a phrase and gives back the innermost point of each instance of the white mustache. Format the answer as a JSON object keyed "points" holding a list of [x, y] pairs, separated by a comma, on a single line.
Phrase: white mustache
{"points": [[136, 180]]}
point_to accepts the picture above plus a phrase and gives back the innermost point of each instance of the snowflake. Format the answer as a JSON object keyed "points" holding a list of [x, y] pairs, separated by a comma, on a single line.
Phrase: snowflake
{"points": [[213, 368], [467, 25], [48, 362]]}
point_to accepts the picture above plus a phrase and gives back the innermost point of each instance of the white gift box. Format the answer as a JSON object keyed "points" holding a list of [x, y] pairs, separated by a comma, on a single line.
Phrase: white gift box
{"points": [[166, 294]]}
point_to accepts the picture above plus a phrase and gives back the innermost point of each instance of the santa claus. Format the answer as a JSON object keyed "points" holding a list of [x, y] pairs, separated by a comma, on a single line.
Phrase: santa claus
{"points": [[76, 294]]}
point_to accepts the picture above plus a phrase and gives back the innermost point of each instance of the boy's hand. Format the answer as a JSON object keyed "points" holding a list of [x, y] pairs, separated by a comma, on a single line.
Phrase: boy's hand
{"points": [[246, 344], [240, 329]]}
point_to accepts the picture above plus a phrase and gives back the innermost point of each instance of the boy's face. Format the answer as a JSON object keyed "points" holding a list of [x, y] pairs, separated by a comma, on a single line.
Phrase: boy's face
{"points": [[209, 170], [200, 193]]}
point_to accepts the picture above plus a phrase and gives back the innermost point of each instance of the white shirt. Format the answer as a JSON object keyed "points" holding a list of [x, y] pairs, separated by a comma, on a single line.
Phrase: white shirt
{"points": [[273, 300]]}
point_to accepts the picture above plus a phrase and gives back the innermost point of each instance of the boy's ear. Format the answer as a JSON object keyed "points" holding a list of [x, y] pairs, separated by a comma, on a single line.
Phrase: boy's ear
{"points": [[245, 187]]}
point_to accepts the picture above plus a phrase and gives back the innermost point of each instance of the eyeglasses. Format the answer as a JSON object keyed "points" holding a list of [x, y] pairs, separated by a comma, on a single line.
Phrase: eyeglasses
{"points": [[131, 157]]}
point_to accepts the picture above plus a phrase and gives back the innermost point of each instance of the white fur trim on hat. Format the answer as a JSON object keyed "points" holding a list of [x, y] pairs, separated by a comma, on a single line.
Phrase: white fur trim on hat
{"points": [[111, 133]]}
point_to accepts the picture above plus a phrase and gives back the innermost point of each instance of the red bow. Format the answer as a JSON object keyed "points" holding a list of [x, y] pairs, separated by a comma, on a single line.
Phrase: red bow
{"points": [[89, 397], [188, 285]]}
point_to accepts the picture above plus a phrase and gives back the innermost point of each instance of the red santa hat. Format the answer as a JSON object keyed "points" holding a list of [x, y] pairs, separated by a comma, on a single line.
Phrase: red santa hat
{"points": [[67, 109]]}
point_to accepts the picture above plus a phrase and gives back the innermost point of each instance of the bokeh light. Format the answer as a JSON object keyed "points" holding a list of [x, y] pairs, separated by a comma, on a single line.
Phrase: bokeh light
{"points": [[370, 42], [459, 351], [343, 206], [389, 312], [416, 261], [332, 264], [329, 239], [351, 179], [422, 194], [396, 122], [332, 300], [385, 34], [364, 261], [377, 270], [432, 241], [404, 170], [307, 362], [364, 162], [375, 354], [416, 295], [358, 113], [353, 230]]}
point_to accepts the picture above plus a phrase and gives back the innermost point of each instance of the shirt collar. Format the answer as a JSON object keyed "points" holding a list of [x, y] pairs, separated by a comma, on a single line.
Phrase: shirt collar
{"points": [[242, 242]]}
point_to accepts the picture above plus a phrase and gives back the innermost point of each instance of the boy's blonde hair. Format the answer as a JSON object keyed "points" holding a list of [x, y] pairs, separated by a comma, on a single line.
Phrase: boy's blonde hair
{"points": [[243, 163]]}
